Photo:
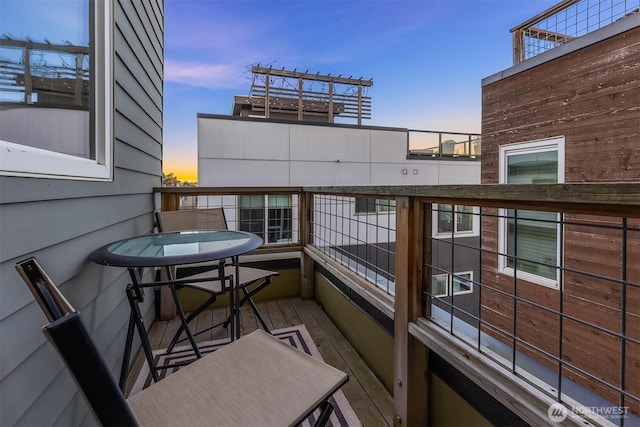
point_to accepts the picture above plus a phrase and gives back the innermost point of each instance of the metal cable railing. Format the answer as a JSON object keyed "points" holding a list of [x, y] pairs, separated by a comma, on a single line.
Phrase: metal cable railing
{"points": [[567, 21], [572, 334]]}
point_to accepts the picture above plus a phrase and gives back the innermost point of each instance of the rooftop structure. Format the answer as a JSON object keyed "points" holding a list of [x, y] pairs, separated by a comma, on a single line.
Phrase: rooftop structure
{"points": [[287, 94]]}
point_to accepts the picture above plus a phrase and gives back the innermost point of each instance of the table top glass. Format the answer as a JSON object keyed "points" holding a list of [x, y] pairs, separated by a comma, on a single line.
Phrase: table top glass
{"points": [[180, 247]]}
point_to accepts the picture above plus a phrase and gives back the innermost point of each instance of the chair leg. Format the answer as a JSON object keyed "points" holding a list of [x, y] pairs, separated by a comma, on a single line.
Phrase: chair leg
{"points": [[124, 370], [248, 298], [183, 321], [176, 338], [325, 412], [142, 332]]}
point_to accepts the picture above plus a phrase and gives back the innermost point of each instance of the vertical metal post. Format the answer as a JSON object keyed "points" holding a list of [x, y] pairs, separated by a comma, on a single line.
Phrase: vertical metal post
{"points": [[331, 102], [360, 104], [515, 287], [28, 84], [307, 270], [623, 320], [480, 285], [266, 95], [561, 307], [300, 101]]}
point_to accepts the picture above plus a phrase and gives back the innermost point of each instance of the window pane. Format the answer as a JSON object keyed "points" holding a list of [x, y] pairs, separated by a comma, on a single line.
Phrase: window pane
{"points": [[533, 168], [445, 218], [365, 205], [464, 218], [386, 205], [536, 242], [252, 214], [439, 285], [461, 283], [280, 218], [45, 84], [279, 201]]}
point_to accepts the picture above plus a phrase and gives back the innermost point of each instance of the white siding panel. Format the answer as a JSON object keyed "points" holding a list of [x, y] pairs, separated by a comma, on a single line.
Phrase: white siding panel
{"points": [[388, 146], [330, 173], [229, 139], [243, 172], [324, 143], [392, 173], [462, 172]]}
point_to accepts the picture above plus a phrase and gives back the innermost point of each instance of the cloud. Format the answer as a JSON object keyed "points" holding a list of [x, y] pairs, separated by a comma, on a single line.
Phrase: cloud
{"points": [[202, 74]]}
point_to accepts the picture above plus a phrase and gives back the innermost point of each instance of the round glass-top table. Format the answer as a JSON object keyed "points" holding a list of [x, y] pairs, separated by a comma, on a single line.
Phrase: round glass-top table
{"points": [[174, 248], [167, 250]]}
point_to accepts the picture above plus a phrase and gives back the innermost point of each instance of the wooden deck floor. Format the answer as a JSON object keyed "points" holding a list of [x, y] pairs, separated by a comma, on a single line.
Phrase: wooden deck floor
{"points": [[370, 400]]}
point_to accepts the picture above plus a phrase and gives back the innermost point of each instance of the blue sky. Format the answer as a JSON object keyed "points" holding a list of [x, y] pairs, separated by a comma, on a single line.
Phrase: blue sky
{"points": [[426, 57]]}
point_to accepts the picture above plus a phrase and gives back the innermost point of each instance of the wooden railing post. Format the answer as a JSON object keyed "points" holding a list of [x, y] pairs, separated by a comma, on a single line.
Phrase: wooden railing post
{"points": [[306, 262], [410, 356], [170, 202]]}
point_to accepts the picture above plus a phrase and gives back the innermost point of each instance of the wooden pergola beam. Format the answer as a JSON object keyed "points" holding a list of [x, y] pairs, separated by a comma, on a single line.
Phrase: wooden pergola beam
{"points": [[308, 76]]}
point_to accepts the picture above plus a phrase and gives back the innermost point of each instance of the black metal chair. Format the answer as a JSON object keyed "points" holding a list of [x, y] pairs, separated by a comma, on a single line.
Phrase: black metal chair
{"points": [[254, 279], [256, 380]]}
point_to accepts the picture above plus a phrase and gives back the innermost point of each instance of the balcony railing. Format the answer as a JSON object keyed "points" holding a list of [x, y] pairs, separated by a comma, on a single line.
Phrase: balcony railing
{"points": [[533, 289], [566, 21], [424, 144]]}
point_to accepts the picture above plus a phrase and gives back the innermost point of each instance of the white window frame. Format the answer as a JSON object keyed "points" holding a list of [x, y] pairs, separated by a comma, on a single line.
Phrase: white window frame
{"points": [[294, 217], [25, 161], [475, 230], [451, 278], [528, 147], [377, 207], [448, 287]]}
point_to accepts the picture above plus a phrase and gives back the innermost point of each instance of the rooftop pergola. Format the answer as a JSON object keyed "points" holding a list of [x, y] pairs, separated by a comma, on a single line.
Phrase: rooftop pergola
{"points": [[280, 89]]}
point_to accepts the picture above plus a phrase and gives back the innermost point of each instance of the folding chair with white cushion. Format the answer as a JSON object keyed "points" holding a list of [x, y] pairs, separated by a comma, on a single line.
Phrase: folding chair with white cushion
{"points": [[249, 278], [255, 380]]}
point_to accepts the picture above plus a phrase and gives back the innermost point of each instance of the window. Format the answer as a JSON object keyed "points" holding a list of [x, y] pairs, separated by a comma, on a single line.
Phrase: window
{"points": [[367, 205], [440, 285], [56, 89], [443, 285], [270, 217], [454, 219], [530, 239], [462, 283]]}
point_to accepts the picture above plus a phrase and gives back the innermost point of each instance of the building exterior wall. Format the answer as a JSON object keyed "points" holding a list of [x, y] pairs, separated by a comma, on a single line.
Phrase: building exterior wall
{"points": [[589, 96], [61, 221], [277, 153]]}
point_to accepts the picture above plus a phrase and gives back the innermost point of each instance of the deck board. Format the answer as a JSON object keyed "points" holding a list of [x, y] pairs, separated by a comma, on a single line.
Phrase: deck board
{"points": [[370, 400]]}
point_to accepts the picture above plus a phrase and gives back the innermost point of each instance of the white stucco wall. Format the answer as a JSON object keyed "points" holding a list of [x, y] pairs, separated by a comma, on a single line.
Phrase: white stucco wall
{"points": [[243, 152]]}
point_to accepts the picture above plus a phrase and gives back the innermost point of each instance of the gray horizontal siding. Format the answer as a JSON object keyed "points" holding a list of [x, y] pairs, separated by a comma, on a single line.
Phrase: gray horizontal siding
{"points": [[62, 221]]}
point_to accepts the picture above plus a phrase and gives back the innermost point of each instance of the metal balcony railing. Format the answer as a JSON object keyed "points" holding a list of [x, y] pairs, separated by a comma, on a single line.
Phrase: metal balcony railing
{"points": [[423, 144], [566, 21], [535, 286]]}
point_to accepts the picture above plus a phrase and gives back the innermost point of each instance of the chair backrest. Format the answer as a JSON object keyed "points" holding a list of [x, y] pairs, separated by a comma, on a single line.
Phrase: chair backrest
{"points": [[192, 219], [70, 338]]}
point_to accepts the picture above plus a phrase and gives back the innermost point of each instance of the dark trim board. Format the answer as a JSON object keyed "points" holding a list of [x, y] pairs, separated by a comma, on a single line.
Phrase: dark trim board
{"points": [[495, 412], [367, 308]]}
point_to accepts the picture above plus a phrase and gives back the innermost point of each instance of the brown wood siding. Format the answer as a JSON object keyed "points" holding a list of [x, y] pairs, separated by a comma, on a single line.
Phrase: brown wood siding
{"points": [[589, 96], [592, 98]]}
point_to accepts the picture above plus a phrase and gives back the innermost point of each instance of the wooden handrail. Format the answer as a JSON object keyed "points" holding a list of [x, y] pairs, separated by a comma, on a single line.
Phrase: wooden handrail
{"points": [[608, 199]]}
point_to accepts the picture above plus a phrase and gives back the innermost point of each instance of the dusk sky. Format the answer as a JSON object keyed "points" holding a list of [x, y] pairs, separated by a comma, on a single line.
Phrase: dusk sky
{"points": [[426, 57]]}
